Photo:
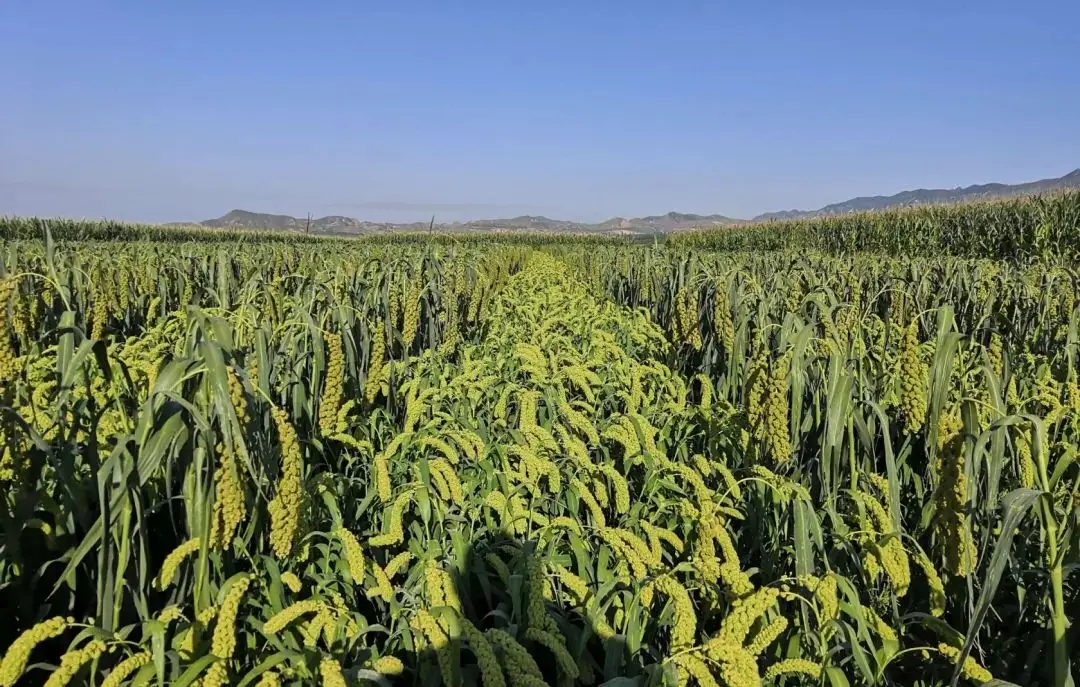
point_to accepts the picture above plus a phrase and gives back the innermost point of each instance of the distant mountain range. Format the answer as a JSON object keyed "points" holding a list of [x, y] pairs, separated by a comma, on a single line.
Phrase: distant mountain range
{"points": [[671, 222], [336, 224], [933, 196]]}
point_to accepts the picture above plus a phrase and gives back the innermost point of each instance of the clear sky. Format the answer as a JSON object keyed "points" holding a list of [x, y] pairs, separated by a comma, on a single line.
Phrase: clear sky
{"points": [[583, 109]]}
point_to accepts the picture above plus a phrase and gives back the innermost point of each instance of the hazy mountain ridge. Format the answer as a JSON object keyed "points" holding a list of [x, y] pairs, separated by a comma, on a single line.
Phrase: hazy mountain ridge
{"points": [[673, 221], [670, 222], [937, 196]]}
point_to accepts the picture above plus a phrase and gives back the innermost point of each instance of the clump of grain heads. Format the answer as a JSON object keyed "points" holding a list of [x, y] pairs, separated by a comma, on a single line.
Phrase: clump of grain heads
{"points": [[285, 507]]}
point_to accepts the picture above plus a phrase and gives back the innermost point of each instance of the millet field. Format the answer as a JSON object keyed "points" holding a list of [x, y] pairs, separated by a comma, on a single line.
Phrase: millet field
{"points": [[835, 452]]}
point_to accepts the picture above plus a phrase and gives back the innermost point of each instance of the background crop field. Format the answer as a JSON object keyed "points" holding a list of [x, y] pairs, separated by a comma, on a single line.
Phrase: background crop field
{"points": [[822, 452]]}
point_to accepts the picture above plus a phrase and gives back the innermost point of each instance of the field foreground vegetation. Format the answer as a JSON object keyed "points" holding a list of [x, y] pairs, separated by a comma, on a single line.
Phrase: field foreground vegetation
{"points": [[530, 461]]}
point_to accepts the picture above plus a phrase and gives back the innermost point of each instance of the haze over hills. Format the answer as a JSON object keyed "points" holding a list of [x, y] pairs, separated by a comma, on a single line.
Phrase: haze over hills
{"points": [[670, 222], [335, 224], [936, 196]]}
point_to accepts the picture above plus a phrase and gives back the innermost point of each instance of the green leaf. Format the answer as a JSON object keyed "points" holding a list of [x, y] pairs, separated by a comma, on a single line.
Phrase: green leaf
{"points": [[194, 670], [1016, 504], [836, 677]]}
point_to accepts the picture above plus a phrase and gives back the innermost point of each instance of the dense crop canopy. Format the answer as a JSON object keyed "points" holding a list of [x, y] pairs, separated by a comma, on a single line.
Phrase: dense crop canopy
{"points": [[533, 462]]}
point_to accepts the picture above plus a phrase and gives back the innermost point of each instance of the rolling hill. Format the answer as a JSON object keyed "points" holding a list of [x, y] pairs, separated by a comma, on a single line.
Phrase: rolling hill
{"points": [[335, 224], [925, 196], [653, 224]]}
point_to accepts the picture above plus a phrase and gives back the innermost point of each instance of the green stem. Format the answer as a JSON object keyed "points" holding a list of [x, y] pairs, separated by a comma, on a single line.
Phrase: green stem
{"points": [[852, 461], [122, 560], [1057, 597]]}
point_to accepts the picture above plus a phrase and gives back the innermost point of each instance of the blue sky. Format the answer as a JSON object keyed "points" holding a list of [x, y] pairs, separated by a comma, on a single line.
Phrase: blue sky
{"points": [[582, 110]]}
